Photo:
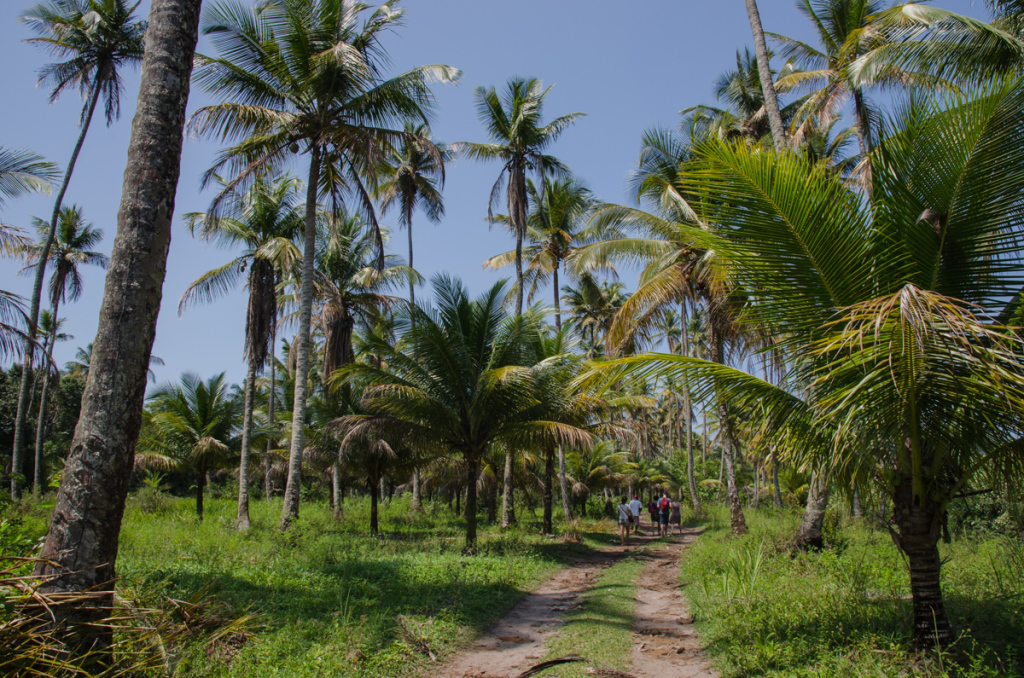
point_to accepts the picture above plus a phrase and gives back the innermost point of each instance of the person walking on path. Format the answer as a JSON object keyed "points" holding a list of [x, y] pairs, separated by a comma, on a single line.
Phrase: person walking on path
{"points": [[634, 508], [652, 508], [674, 517], [663, 513], [625, 518]]}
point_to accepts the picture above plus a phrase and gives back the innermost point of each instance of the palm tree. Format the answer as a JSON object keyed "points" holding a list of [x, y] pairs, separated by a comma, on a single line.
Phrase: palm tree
{"points": [[592, 307], [80, 550], [303, 75], [50, 325], [555, 226], [890, 313], [265, 220], [459, 382], [518, 140], [71, 249], [23, 172], [94, 39], [190, 427], [767, 85]]}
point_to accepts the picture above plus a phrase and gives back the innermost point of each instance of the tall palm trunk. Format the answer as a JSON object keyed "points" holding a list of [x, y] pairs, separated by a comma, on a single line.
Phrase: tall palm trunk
{"points": [[336, 491], [809, 534], [37, 479], [919, 521], [243, 463], [417, 500], [267, 487], [80, 550], [564, 486], [863, 126], [549, 481], [24, 400], [736, 519], [771, 99], [508, 510], [558, 308], [691, 477], [473, 472], [290, 510]]}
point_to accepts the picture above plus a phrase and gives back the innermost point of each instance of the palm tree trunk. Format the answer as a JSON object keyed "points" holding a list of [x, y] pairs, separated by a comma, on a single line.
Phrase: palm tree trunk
{"points": [[37, 467], [374, 501], [24, 401], [267, 486], [549, 481], [691, 477], [809, 534], [860, 113], [290, 510], [517, 214], [508, 510], [736, 518], [771, 100], [558, 308], [336, 491], [243, 463], [80, 550], [858, 511], [564, 486], [417, 500], [473, 472]]}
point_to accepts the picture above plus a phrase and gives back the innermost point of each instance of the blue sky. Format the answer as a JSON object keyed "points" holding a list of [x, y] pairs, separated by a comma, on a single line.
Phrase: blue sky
{"points": [[628, 65]]}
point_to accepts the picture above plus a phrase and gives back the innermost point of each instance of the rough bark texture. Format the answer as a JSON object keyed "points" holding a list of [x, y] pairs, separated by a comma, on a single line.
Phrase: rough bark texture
{"points": [[24, 401], [549, 481], [243, 463], [771, 100], [809, 535], [919, 520], [417, 496], [566, 506], [290, 510], [81, 545]]}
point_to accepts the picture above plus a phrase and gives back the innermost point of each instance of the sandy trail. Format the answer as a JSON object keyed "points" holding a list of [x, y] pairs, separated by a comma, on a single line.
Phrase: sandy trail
{"points": [[665, 644]]}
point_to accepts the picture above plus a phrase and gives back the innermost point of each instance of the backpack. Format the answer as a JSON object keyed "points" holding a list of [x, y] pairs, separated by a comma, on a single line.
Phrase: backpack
{"points": [[664, 503]]}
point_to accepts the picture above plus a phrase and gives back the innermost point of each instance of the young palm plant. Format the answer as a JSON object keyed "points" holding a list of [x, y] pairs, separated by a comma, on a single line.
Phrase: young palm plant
{"points": [[305, 76], [95, 39], [265, 220], [890, 313], [460, 381]]}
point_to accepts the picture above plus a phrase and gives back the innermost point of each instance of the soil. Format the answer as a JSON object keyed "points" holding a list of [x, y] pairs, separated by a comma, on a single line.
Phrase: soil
{"points": [[665, 644]]}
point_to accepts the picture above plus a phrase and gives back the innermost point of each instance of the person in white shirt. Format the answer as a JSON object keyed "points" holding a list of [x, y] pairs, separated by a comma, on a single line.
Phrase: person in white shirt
{"points": [[635, 506]]}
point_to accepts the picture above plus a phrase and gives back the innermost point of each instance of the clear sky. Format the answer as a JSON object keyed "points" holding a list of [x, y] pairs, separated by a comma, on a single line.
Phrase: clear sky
{"points": [[628, 65]]}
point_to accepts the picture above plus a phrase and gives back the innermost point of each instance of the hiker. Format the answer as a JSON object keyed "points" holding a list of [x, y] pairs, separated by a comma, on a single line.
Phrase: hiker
{"points": [[625, 519], [634, 508], [674, 517], [663, 513], [652, 508]]}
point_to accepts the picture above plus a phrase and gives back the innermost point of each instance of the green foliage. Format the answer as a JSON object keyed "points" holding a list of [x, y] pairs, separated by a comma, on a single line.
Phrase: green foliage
{"points": [[764, 611]]}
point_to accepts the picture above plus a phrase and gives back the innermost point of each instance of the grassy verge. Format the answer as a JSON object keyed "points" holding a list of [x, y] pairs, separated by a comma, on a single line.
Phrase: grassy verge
{"points": [[329, 599], [601, 629], [763, 611]]}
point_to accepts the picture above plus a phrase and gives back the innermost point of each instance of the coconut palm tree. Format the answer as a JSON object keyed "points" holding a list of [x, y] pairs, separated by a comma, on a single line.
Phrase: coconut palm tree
{"points": [[265, 221], [23, 172], [71, 248], [890, 313], [95, 40], [459, 382], [518, 140], [592, 307], [555, 226], [305, 76], [190, 427]]}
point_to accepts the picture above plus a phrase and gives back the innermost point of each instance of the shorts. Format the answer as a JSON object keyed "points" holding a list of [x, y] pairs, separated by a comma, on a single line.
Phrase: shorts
{"points": [[664, 517], [624, 522]]}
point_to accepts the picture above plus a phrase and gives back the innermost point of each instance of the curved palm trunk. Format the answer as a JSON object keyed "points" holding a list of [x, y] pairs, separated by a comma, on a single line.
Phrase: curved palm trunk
{"points": [[564, 486], [736, 518], [37, 480], [24, 400], [80, 550], [549, 480], [243, 463], [473, 471], [771, 99], [290, 510], [691, 478], [267, 486]]}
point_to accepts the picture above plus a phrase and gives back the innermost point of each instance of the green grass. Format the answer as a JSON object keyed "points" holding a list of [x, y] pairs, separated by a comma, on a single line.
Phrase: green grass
{"points": [[601, 628], [764, 611], [327, 596]]}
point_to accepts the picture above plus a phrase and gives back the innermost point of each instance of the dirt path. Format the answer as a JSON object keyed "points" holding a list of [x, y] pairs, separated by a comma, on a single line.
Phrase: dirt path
{"points": [[516, 642], [665, 644]]}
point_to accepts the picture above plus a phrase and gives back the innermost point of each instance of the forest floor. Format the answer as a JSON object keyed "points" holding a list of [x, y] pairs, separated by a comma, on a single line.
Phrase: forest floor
{"points": [[529, 640]]}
